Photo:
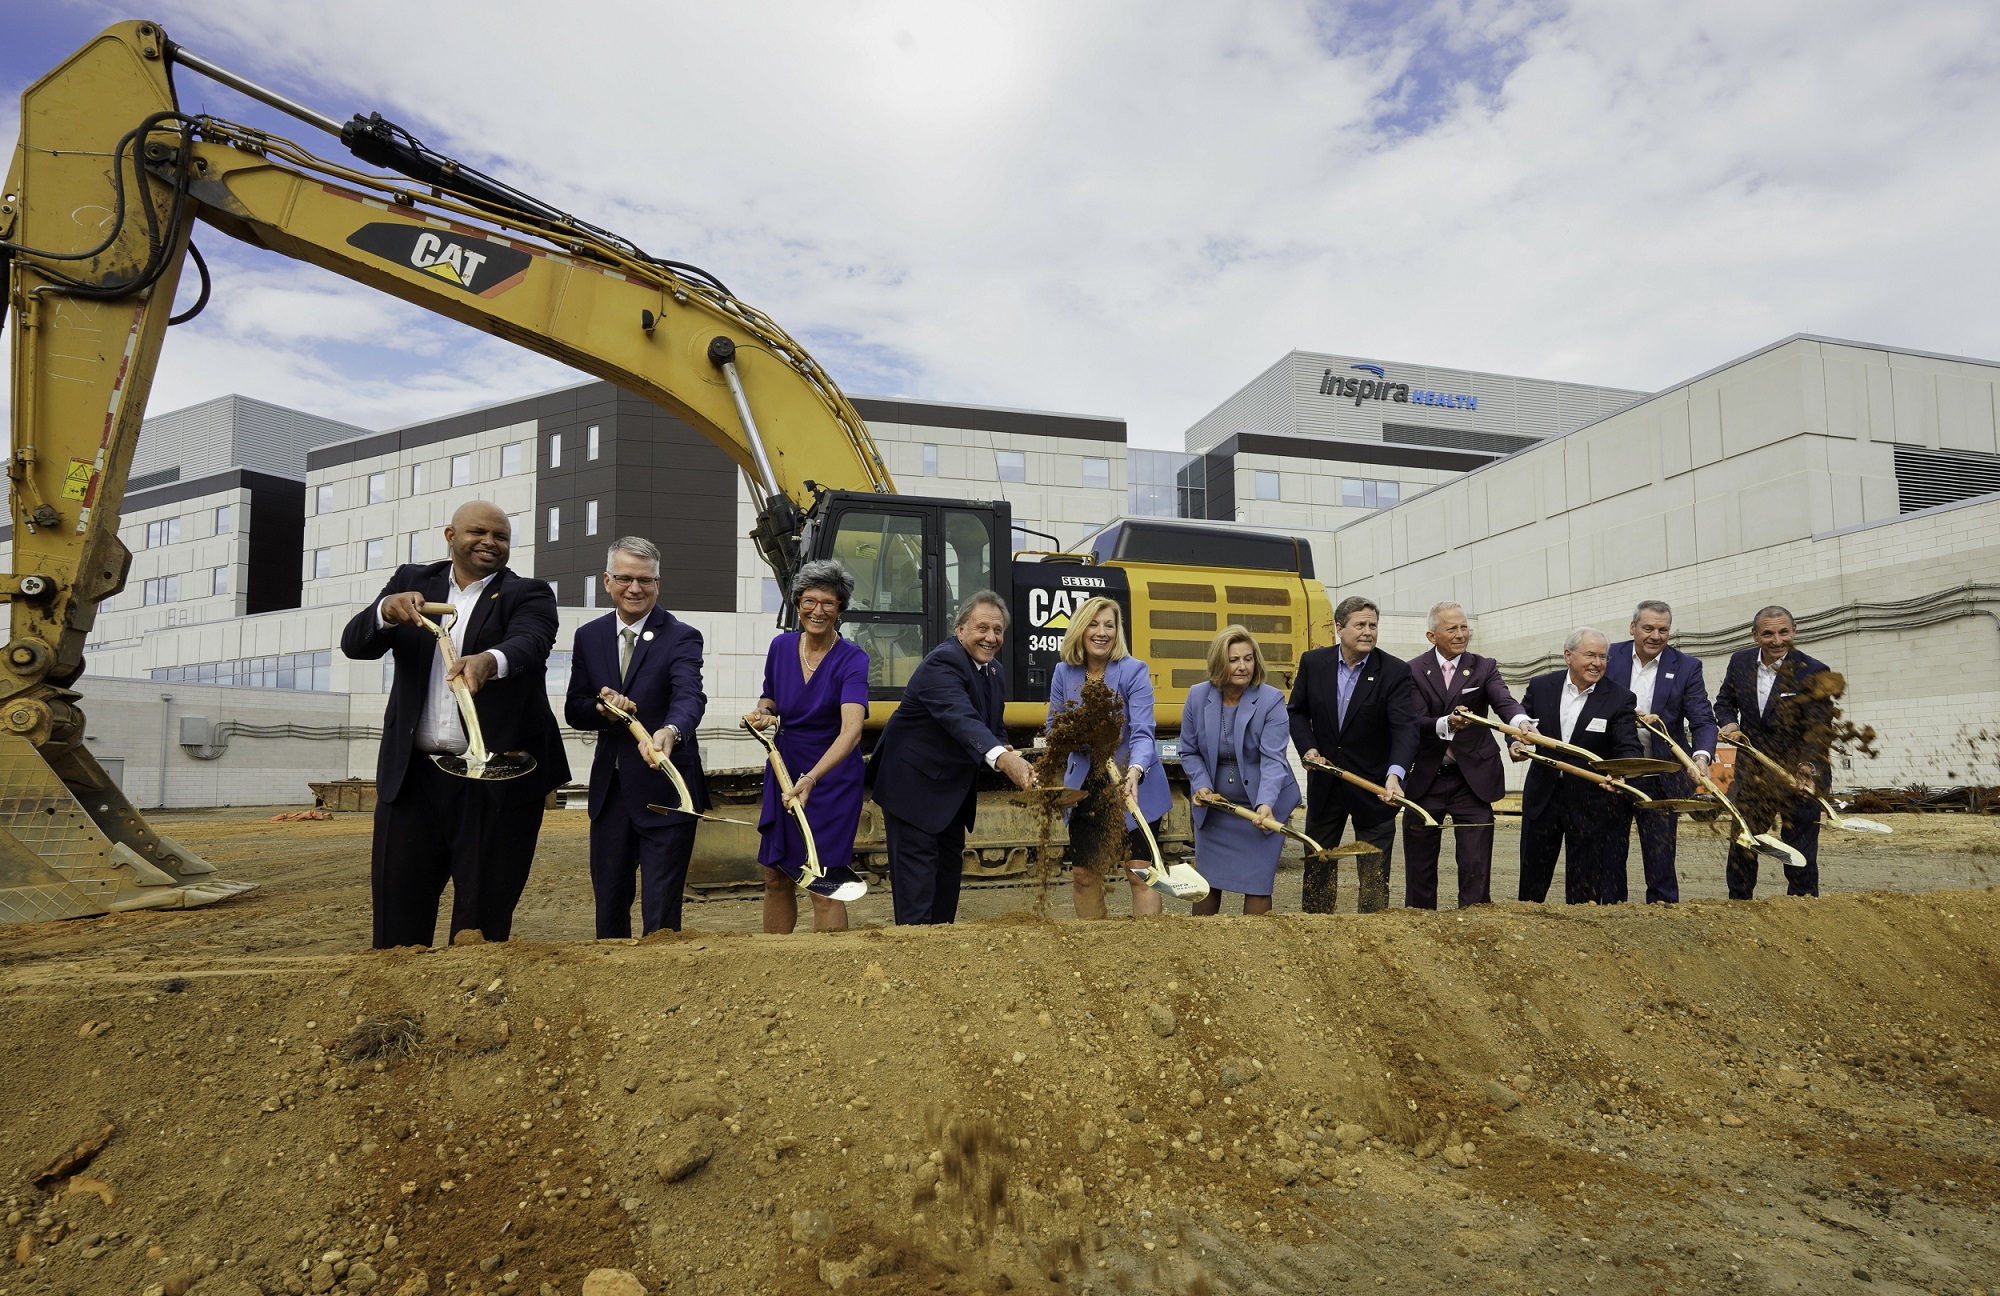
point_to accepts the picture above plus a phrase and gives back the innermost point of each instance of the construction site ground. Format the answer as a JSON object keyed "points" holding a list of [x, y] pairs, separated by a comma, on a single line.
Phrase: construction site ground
{"points": [[1778, 1096]]}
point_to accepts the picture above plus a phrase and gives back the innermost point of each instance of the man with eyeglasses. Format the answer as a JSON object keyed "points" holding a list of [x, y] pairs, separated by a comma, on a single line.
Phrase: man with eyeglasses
{"points": [[1561, 813], [646, 662]]}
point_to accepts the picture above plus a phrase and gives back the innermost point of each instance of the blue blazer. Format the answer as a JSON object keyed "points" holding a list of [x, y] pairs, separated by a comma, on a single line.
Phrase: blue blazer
{"points": [[1790, 716], [1263, 737], [1131, 680], [1680, 695], [926, 765], [664, 682]]}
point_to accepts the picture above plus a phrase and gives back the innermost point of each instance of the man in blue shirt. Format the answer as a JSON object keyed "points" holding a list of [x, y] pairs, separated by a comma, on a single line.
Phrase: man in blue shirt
{"points": [[1354, 706]]}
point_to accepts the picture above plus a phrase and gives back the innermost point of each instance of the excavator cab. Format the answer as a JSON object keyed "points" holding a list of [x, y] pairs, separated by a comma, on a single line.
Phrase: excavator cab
{"points": [[914, 561]]}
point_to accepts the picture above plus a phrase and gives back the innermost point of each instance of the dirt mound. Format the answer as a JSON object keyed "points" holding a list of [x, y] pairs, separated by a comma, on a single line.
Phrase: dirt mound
{"points": [[1766, 1096]]}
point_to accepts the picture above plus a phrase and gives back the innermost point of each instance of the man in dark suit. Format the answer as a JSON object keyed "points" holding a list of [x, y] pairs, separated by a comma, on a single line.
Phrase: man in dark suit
{"points": [[645, 661], [432, 827], [1456, 770], [1352, 704], [925, 769], [1668, 686], [1767, 695], [1560, 812]]}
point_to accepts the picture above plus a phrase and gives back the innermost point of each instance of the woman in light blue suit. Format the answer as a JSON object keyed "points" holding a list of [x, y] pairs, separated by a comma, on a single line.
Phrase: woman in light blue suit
{"points": [[1234, 733], [1094, 648]]}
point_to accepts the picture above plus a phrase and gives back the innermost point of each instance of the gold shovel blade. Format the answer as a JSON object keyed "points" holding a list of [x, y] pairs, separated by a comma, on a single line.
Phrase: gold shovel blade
{"points": [[497, 768], [1345, 848], [1680, 805]]}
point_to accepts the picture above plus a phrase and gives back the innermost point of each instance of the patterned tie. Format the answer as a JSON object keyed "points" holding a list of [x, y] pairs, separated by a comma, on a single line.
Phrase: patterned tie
{"points": [[625, 638]]}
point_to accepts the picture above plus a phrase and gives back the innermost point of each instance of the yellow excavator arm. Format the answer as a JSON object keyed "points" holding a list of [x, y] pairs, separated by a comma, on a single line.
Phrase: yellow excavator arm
{"points": [[105, 186]]}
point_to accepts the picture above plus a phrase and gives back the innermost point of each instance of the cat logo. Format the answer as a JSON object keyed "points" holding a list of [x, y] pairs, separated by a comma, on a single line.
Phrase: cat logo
{"points": [[1052, 609], [475, 265]]}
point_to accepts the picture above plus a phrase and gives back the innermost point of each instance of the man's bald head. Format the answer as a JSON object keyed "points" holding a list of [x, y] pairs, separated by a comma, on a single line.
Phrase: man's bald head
{"points": [[479, 537]]}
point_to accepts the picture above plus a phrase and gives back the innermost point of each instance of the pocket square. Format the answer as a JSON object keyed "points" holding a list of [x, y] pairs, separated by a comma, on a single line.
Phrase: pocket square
{"points": [[1595, 726]]}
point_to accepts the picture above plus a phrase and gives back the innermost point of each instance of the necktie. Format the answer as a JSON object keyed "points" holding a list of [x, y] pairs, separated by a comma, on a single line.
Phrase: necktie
{"points": [[625, 638]]}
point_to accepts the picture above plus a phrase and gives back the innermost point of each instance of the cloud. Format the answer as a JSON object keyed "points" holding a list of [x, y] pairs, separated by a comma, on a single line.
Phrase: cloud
{"points": [[1133, 209]]}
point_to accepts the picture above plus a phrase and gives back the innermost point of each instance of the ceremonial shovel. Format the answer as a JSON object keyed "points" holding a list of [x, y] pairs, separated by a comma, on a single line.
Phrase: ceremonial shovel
{"points": [[1531, 737], [1322, 763], [1833, 815], [1591, 776], [1768, 844], [1314, 851], [1181, 881], [477, 762], [853, 888], [651, 755]]}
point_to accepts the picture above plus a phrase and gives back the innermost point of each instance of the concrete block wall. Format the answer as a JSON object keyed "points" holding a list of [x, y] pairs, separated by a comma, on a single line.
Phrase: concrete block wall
{"points": [[352, 521]]}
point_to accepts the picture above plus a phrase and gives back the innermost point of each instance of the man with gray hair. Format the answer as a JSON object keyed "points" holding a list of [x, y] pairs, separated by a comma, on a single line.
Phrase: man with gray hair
{"points": [[1670, 692], [1457, 770], [1561, 813], [646, 662], [925, 771]]}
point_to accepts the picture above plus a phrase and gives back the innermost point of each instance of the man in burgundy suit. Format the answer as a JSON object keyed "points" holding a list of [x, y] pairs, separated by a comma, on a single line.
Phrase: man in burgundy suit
{"points": [[1457, 770]]}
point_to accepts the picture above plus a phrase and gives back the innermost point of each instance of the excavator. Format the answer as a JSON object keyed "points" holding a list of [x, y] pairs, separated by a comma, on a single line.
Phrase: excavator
{"points": [[108, 181]]}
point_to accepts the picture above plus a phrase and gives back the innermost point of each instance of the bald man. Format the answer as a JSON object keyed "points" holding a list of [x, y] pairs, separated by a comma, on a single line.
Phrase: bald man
{"points": [[432, 827]]}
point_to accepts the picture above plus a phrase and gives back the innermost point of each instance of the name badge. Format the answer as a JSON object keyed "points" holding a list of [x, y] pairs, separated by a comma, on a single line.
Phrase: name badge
{"points": [[1670, 674], [1595, 726]]}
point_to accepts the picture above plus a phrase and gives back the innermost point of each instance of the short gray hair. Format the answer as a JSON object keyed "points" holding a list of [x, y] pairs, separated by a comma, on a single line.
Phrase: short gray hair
{"points": [[1350, 605], [637, 546], [823, 574], [1652, 605], [1772, 611], [1575, 637], [974, 599], [1438, 610]]}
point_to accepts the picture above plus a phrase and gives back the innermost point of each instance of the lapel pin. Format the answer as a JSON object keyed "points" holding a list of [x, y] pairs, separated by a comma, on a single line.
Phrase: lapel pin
{"points": [[648, 636], [1468, 670]]}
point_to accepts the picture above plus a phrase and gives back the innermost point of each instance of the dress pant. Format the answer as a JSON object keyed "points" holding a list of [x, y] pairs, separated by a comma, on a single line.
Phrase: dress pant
{"points": [[1472, 828], [1326, 819], [656, 851], [1582, 831], [478, 836], [1658, 834], [925, 870], [1801, 833]]}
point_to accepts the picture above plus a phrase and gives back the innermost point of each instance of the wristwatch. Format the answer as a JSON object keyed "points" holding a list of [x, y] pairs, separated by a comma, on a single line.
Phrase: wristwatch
{"points": [[675, 730]]}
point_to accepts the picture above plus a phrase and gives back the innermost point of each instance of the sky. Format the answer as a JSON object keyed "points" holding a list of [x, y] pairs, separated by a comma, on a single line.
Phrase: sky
{"points": [[1132, 209]]}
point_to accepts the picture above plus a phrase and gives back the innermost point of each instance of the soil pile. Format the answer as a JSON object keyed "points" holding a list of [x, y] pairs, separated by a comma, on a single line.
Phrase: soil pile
{"points": [[1780, 1095]]}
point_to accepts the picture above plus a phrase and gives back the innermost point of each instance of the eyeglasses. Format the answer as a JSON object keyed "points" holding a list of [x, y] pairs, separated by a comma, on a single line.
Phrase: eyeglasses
{"points": [[643, 582], [819, 605]]}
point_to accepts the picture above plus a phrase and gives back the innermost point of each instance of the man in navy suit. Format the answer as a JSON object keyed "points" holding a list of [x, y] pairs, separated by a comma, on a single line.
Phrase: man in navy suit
{"points": [[1767, 695], [432, 827], [1457, 769], [1668, 686], [645, 661], [1353, 705], [1561, 813], [925, 769]]}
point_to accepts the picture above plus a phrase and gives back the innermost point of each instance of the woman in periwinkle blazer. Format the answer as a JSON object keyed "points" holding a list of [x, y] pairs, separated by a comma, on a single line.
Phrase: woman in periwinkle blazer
{"points": [[1094, 648], [1233, 736]]}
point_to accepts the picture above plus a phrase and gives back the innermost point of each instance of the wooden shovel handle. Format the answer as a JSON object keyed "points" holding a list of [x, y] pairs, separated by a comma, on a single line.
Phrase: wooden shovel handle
{"points": [[1693, 767], [1604, 781], [1322, 763], [1532, 737]]}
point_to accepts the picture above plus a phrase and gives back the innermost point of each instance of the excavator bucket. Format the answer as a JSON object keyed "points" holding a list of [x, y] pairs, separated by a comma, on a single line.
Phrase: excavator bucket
{"points": [[70, 853]]}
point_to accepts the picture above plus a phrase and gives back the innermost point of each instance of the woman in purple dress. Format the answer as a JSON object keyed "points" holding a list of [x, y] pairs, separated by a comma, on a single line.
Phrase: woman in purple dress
{"points": [[816, 693]]}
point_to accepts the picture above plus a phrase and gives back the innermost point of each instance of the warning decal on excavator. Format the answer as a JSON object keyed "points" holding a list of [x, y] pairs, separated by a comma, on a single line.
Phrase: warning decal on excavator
{"points": [[76, 479], [479, 266]]}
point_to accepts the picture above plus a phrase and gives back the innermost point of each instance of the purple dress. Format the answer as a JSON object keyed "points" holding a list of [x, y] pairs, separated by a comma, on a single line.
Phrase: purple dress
{"points": [[809, 715]]}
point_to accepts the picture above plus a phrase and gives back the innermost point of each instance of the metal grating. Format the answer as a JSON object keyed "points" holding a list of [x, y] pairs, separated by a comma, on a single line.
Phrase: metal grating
{"points": [[1928, 478], [1499, 443]]}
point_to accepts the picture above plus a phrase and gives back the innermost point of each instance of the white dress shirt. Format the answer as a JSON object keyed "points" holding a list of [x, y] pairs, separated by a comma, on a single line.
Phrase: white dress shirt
{"points": [[1767, 679], [1645, 676], [1572, 706], [439, 728]]}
